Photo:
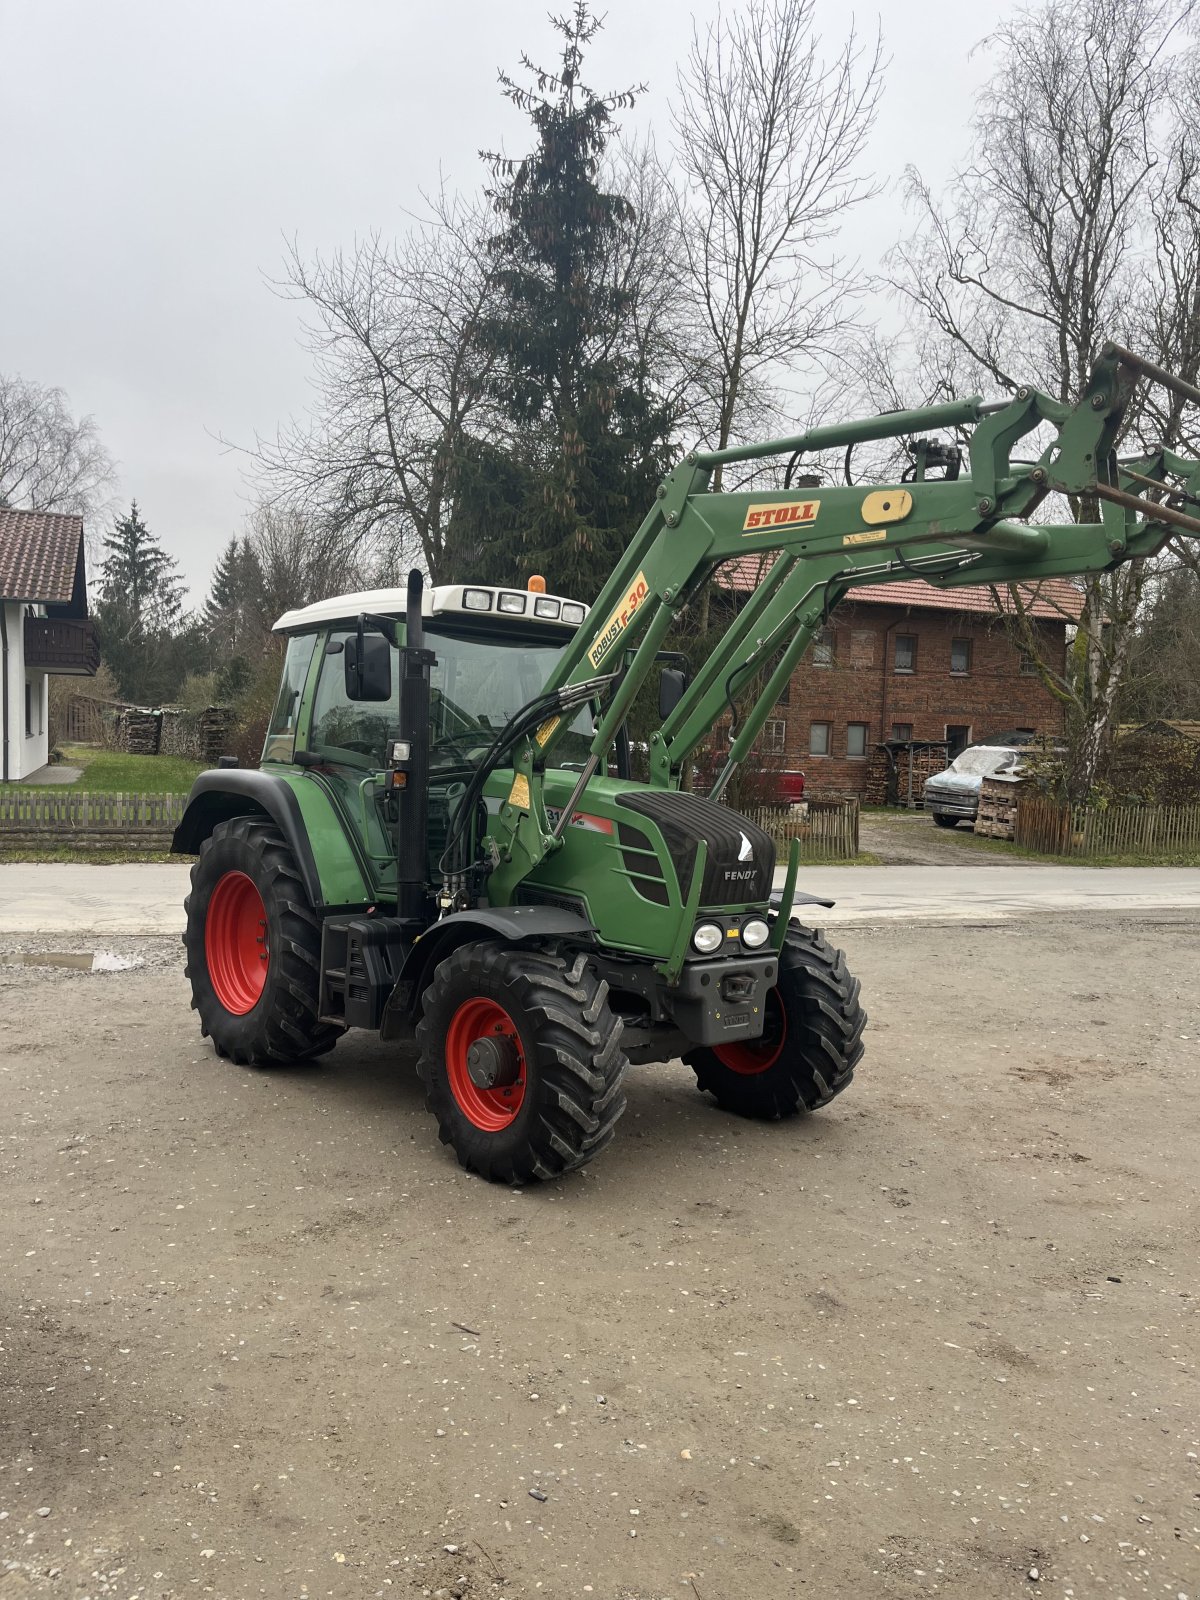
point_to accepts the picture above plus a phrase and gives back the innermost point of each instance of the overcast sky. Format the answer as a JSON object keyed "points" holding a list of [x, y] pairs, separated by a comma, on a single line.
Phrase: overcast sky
{"points": [[157, 153]]}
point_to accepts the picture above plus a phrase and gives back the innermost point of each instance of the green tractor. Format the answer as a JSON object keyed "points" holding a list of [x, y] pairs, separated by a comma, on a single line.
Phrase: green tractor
{"points": [[444, 843]]}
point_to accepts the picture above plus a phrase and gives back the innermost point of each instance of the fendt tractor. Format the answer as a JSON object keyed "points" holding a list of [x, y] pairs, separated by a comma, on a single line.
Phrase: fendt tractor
{"points": [[444, 843]]}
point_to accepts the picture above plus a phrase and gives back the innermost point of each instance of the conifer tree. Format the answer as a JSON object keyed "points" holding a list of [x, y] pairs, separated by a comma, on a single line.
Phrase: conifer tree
{"points": [[587, 448], [139, 612]]}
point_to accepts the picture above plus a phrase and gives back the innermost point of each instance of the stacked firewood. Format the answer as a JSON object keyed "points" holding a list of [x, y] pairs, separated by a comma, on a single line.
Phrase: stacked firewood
{"points": [[997, 814], [138, 731]]}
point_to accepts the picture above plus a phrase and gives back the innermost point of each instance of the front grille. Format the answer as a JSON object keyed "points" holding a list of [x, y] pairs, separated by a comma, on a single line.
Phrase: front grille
{"points": [[642, 864]]}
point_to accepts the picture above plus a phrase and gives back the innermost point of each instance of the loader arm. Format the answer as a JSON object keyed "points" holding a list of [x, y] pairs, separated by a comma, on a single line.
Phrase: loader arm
{"points": [[973, 529]]}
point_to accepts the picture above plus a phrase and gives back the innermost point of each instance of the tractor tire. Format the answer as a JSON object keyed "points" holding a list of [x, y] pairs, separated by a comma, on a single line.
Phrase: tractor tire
{"points": [[549, 1071], [944, 822], [811, 1043], [254, 948]]}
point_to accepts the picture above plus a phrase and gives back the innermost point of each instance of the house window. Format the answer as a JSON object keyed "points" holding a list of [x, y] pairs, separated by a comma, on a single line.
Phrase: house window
{"points": [[819, 738], [960, 657], [786, 697], [862, 648], [774, 737], [823, 648], [902, 730], [28, 709], [856, 740], [906, 652], [1028, 665]]}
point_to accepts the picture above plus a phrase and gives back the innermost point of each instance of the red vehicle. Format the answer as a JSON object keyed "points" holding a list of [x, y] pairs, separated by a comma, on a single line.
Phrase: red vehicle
{"points": [[789, 788]]}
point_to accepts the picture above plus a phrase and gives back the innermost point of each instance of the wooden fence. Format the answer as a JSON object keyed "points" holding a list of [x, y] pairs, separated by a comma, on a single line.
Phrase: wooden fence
{"points": [[829, 828], [82, 820], [1062, 830], [826, 828]]}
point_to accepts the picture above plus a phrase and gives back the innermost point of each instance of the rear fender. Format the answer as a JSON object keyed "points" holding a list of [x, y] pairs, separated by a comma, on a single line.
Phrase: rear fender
{"points": [[223, 793], [509, 924]]}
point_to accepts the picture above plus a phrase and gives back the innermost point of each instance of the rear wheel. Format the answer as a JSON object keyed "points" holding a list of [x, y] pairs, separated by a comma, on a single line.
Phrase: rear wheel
{"points": [[254, 948], [811, 1040], [521, 1060], [944, 821]]}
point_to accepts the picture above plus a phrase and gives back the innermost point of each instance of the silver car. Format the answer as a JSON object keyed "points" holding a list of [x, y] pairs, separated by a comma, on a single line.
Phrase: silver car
{"points": [[952, 796]]}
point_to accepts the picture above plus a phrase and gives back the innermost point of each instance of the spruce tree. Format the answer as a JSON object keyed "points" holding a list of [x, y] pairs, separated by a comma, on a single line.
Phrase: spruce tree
{"points": [[588, 450], [232, 616], [138, 579], [139, 613]]}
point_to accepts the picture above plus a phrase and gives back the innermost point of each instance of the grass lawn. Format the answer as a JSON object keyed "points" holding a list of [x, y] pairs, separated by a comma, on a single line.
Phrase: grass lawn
{"points": [[111, 771]]}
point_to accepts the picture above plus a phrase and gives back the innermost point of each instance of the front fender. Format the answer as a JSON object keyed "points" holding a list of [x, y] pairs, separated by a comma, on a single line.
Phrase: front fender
{"points": [[299, 809], [512, 924]]}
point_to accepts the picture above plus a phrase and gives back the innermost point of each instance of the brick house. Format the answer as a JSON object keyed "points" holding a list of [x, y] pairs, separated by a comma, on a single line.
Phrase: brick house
{"points": [[907, 660]]}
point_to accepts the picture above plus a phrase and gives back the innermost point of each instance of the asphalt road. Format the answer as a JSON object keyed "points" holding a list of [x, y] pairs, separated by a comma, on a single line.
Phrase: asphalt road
{"points": [[141, 899]]}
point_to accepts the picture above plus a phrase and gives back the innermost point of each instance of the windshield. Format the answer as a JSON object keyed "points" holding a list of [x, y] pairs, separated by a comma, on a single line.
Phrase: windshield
{"points": [[478, 686], [982, 760]]}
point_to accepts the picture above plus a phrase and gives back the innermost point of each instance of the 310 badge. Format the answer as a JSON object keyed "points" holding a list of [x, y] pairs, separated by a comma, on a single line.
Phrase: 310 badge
{"points": [[638, 593]]}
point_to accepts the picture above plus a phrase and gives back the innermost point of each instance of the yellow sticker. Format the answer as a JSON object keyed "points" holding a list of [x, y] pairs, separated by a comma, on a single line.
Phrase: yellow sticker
{"points": [[638, 594], [546, 732], [780, 514], [868, 536], [518, 795]]}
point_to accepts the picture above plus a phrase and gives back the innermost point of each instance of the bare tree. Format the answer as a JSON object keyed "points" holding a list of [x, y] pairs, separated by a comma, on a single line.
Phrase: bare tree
{"points": [[399, 382], [769, 140], [1035, 258], [49, 459], [298, 559]]}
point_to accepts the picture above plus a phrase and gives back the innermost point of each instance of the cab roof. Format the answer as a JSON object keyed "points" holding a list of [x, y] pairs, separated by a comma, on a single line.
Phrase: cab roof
{"points": [[446, 599]]}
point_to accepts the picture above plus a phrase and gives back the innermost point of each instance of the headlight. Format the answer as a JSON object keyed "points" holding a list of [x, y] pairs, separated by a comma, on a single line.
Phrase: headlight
{"points": [[477, 599], [707, 938], [572, 612], [512, 603], [543, 606], [755, 933]]}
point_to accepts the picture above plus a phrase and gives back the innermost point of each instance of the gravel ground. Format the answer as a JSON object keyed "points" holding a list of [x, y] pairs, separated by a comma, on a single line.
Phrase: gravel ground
{"points": [[260, 1335], [913, 839]]}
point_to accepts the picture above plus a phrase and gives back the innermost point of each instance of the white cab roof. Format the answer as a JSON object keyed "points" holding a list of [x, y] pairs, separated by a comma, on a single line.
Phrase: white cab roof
{"points": [[445, 598]]}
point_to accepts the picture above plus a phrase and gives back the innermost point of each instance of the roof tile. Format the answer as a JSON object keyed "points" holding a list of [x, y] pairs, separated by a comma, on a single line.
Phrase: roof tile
{"points": [[39, 555], [1057, 598]]}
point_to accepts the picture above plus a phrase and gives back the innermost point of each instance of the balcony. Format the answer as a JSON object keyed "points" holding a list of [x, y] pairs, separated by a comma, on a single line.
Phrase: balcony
{"points": [[60, 645]]}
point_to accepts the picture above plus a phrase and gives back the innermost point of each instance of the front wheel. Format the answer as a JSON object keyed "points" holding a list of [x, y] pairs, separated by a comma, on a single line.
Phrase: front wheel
{"points": [[944, 821], [254, 948], [521, 1060], [811, 1040]]}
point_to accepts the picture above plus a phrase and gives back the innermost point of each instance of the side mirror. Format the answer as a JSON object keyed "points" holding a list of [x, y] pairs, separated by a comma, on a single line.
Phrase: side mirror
{"points": [[368, 664], [672, 685]]}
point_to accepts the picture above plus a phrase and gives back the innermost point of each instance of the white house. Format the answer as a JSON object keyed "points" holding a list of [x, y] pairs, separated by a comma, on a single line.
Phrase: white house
{"points": [[44, 629]]}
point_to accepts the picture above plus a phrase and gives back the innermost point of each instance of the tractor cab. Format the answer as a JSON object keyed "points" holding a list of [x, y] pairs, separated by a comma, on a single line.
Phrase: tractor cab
{"points": [[492, 651]]}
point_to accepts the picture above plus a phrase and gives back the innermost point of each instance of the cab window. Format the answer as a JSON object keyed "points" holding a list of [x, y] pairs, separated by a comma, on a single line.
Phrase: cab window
{"points": [[350, 733], [280, 744]]}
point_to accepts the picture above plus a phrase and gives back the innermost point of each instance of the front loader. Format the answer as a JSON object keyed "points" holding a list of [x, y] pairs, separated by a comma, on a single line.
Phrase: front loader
{"points": [[444, 845]]}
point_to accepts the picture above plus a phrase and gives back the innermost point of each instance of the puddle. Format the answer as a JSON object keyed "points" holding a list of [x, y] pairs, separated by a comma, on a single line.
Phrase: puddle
{"points": [[82, 960]]}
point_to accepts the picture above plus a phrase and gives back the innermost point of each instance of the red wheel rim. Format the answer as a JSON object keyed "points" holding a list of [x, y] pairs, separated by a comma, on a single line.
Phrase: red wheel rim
{"points": [[748, 1057], [490, 1110], [235, 943]]}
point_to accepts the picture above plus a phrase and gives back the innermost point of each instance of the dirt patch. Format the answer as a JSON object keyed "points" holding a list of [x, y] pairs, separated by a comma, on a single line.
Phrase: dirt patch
{"points": [[912, 838], [260, 1335]]}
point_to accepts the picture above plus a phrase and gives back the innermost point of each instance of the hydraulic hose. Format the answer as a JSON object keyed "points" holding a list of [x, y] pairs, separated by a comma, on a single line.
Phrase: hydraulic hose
{"points": [[524, 722]]}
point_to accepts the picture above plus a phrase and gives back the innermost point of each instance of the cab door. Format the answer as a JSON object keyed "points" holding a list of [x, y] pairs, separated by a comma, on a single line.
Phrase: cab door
{"points": [[351, 739]]}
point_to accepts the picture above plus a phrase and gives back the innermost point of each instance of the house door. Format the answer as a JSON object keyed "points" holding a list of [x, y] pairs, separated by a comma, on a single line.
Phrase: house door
{"points": [[959, 735]]}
